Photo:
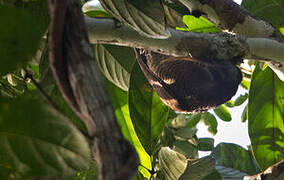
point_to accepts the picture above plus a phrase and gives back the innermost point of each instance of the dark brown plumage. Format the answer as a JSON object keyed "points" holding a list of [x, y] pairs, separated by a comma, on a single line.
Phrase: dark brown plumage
{"points": [[189, 85]]}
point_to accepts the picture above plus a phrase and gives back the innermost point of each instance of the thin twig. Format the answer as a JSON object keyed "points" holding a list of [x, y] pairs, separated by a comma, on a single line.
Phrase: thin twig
{"points": [[41, 90]]}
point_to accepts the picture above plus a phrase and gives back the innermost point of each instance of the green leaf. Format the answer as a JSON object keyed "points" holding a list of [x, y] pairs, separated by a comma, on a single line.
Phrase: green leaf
{"points": [[266, 117], [199, 169], [185, 133], [234, 156], [119, 100], [35, 142], [95, 11], [281, 30], [198, 24], [245, 114], [179, 121], [19, 37], [167, 138], [147, 111], [172, 163], [215, 175], [205, 144], [174, 12], [241, 99], [229, 104], [210, 121], [193, 120], [245, 84], [271, 11], [223, 113], [145, 16], [229, 173], [138, 176], [90, 173], [186, 148], [116, 63]]}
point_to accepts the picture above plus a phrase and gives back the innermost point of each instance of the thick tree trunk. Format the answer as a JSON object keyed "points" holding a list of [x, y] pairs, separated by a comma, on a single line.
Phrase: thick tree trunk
{"points": [[80, 81]]}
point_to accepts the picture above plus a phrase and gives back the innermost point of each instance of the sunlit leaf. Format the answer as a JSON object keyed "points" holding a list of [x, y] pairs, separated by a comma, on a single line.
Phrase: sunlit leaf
{"points": [[241, 99], [281, 30], [266, 117], [95, 10], [198, 24], [229, 103], [245, 84], [223, 113], [147, 111], [119, 100]]}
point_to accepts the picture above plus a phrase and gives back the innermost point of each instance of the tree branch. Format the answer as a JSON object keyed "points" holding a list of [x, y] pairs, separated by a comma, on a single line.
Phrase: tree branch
{"points": [[271, 173], [199, 45], [230, 16]]}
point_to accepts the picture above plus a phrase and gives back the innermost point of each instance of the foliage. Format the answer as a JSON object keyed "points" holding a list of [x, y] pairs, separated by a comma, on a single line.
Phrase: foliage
{"points": [[36, 141]]}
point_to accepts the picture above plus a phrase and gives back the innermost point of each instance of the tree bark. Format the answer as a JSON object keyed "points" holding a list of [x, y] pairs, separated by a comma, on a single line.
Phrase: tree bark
{"points": [[80, 82], [199, 45], [230, 16]]}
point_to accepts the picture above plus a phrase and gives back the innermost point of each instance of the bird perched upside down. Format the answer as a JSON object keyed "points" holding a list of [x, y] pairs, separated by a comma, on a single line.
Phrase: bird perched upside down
{"points": [[189, 85]]}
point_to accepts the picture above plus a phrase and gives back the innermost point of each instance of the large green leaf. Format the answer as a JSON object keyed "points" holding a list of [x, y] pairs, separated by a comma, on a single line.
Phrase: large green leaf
{"points": [[18, 38], [145, 16], [21, 30], [234, 156], [35, 142], [119, 100], [115, 63], [147, 111], [266, 117], [271, 11]]}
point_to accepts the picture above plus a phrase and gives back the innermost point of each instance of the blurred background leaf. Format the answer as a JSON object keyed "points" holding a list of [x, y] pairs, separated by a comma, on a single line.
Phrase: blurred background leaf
{"points": [[29, 148]]}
